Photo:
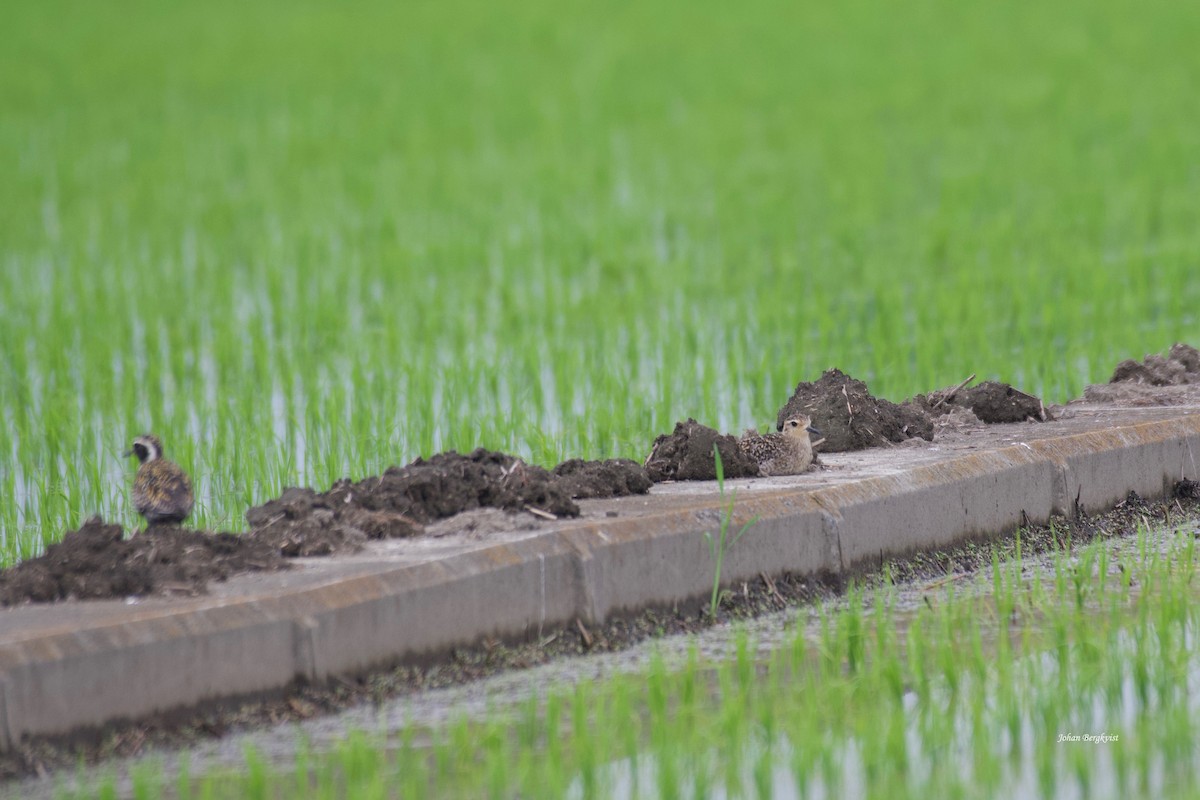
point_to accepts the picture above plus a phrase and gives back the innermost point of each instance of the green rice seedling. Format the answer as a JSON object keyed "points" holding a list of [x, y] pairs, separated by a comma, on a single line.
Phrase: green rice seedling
{"points": [[147, 782], [257, 783], [587, 750], [720, 546], [302, 769]]}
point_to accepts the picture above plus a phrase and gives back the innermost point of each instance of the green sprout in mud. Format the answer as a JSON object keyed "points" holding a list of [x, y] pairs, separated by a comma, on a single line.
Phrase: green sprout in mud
{"points": [[719, 546]]}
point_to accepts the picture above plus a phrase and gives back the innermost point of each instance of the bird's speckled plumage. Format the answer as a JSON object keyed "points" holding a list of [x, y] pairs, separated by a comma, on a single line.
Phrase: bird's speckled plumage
{"points": [[162, 491], [787, 453]]}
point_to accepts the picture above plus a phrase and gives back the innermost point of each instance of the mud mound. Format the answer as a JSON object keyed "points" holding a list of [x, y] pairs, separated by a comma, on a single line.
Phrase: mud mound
{"points": [[96, 562], [1181, 366], [994, 402], [301, 522], [990, 401], [850, 418], [686, 454], [1186, 488], [449, 483], [615, 477], [403, 500], [1154, 381]]}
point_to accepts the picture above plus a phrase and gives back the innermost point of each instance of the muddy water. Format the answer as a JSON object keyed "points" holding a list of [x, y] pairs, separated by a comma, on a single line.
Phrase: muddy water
{"points": [[278, 745]]}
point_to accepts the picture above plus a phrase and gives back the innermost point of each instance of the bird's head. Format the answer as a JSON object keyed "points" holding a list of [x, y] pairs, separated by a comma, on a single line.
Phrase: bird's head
{"points": [[801, 427], [146, 447]]}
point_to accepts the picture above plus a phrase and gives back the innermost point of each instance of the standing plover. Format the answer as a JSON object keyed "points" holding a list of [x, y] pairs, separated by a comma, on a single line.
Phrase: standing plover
{"points": [[787, 453], [161, 490]]}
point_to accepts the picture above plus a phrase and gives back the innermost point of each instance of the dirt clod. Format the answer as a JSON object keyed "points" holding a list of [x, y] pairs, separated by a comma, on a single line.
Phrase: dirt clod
{"points": [[1186, 488], [995, 402], [850, 418], [97, 562], [1181, 366], [1154, 381], [403, 500], [686, 454], [991, 402], [615, 477]]}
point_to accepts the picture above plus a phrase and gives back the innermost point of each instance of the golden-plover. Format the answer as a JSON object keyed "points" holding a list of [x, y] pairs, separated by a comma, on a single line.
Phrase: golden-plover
{"points": [[787, 453], [161, 490]]}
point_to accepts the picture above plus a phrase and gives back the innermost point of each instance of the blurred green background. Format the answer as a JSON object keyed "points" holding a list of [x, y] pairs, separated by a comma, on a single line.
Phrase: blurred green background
{"points": [[301, 240]]}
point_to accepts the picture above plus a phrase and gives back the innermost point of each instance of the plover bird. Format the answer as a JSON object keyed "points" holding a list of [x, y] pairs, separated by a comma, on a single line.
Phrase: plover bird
{"points": [[161, 490], [787, 453]]}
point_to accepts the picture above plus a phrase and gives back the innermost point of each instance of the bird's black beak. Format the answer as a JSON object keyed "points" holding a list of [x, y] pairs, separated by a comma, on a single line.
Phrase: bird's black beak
{"points": [[127, 454], [813, 431]]}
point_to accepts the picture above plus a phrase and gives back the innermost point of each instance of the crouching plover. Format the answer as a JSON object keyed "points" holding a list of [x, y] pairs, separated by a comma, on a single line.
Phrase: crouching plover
{"points": [[787, 453]]}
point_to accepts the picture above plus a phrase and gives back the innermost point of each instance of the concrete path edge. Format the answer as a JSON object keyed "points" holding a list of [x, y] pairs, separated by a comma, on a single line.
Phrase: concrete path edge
{"points": [[68, 679]]}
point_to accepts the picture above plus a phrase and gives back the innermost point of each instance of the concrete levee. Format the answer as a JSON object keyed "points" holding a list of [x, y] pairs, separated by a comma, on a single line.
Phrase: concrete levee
{"points": [[81, 665], [932, 507], [84, 678]]}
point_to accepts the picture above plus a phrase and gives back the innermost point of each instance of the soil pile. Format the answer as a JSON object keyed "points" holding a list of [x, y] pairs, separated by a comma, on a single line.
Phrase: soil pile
{"points": [[1188, 489], [850, 418], [615, 477], [301, 522], [994, 402], [96, 562], [1154, 380], [686, 454], [991, 402], [1181, 366], [403, 500]]}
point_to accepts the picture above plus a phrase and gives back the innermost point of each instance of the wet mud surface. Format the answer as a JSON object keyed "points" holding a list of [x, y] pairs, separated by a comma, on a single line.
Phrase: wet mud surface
{"points": [[97, 562], [686, 454]]}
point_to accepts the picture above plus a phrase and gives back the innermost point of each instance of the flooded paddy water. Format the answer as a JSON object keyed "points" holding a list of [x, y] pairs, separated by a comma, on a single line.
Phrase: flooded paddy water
{"points": [[1062, 674]]}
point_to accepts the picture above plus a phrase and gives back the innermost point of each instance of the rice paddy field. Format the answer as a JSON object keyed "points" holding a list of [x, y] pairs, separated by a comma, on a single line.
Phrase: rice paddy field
{"points": [[302, 241]]}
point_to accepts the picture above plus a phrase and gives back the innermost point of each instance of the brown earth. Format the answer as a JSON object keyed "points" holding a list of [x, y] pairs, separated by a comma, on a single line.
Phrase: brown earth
{"points": [[616, 477], [994, 402], [850, 418], [96, 562], [1181, 365], [686, 454], [991, 402], [1154, 381], [402, 501]]}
